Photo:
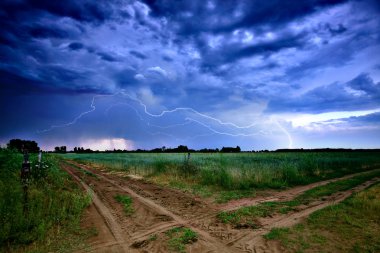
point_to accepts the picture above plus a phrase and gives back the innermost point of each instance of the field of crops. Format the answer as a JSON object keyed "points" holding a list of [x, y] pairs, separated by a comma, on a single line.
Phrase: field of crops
{"points": [[237, 171]]}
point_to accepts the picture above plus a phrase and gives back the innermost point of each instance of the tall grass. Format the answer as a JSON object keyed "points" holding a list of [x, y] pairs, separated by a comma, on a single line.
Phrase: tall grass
{"points": [[54, 203], [239, 171]]}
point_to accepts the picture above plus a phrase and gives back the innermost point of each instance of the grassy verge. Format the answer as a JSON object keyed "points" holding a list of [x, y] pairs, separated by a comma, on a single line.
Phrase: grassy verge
{"points": [[179, 237], [247, 216], [126, 201], [54, 207], [350, 226]]}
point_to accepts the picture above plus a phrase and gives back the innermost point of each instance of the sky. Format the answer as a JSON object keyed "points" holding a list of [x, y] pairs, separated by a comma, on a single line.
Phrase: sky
{"points": [[144, 74]]}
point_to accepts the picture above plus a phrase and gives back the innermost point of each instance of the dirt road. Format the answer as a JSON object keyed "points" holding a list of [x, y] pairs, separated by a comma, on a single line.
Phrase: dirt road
{"points": [[158, 209], [280, 195], [133, 234]]}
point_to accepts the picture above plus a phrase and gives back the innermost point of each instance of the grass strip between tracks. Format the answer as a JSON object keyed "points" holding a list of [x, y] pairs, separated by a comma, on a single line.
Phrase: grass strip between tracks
{"points": [[247, 216], [350, 226]]}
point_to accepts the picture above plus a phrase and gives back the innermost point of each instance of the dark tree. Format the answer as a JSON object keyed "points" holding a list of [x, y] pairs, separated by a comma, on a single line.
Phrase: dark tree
{"points": [[30, 146], [230, 149], [61, 149], [182, 148]]}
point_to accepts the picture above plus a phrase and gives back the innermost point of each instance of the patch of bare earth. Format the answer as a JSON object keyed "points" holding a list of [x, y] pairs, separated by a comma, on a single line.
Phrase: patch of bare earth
{"points": [[158, 209], [150, 218]]}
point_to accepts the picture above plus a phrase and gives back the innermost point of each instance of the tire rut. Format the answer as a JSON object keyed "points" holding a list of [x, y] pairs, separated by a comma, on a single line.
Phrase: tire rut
{"points": [[283, 195], [205, 238], [252, 242], [107, 216], [201, 217]]}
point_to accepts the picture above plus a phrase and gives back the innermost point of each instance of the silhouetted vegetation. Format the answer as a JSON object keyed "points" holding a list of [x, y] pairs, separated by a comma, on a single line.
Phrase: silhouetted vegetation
{"points": [[230, 150], [61, 149], [20, 145], [237, 149]]}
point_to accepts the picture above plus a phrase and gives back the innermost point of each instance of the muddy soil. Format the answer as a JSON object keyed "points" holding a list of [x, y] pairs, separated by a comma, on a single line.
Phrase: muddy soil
{"points": [[158, 209]]}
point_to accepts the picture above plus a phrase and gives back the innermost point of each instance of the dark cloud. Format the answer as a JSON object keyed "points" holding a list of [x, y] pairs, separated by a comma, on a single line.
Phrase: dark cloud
{"points": [[40, 31], [372, 118], [366, 120], [266, 48], [377, 66], [336, 30], [51, 79], [125, 77], [88, 11], [354, 126], [167, 58], [13, 83], [107, 57], [361, 93], [76, 46], [215, 56], [366, 84], [138, 54], [226, 16], [212, 59]]}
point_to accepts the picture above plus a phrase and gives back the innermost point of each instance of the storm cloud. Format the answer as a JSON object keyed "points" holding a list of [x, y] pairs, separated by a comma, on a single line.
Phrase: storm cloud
{"points": [[200, 73]]}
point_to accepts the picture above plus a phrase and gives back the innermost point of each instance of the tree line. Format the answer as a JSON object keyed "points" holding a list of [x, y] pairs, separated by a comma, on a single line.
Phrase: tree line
{"points": [[32, 147], [179, 149]]}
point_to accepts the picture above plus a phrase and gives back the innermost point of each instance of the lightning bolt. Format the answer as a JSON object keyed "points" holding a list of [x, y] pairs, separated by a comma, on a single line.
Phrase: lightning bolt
{"points": [[290, 140], [185, 109], [93, 108], [188, 120], [222, 133]]}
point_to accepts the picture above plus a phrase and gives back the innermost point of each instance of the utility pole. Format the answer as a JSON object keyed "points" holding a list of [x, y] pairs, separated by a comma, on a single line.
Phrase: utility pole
{"points": [[25, 178]]}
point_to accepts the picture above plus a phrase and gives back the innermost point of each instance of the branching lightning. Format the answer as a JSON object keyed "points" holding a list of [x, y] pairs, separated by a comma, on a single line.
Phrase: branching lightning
{"points": [[188, 120], [186, 109], [222, 133], [93, 108]]}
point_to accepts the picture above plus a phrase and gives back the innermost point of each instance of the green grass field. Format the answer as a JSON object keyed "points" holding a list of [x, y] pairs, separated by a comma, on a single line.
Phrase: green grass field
{"points": [[55, 204], [236, 171]]}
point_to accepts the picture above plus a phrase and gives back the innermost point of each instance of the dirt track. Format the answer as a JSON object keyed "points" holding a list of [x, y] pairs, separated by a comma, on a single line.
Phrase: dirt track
{"points": [[158, 209], [279, 196]]}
